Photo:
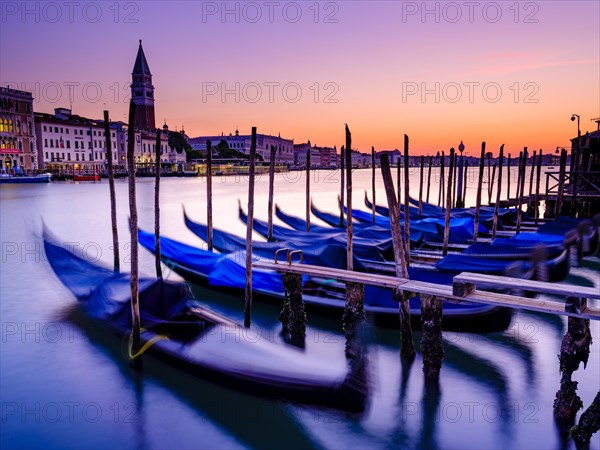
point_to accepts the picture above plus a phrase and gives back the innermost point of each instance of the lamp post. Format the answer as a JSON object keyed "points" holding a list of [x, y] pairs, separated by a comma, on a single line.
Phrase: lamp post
{"points": [[575, 154], [460, 202]]}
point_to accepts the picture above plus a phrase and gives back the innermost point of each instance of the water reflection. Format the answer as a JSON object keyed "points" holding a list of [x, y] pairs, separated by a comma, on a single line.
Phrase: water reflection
{"points": [[238, 413]]}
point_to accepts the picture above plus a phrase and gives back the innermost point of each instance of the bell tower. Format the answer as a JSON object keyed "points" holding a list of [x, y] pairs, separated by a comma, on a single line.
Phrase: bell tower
{"points": [[142, 92]]}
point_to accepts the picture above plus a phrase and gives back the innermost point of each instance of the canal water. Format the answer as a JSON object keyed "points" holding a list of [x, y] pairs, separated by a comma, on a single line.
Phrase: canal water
{"points": [[66, 384]]}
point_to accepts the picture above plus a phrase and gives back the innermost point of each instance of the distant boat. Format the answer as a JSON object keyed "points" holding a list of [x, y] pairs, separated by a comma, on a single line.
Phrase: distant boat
{"points": [[94, 177], [42, 178]]}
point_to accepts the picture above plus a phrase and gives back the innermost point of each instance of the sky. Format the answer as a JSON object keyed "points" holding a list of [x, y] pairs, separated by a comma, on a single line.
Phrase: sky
{"points": [[503, 72]]}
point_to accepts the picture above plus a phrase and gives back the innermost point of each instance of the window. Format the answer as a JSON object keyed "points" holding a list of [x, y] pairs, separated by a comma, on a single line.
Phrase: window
{"points": [[61, 129], [88, 132], [67, 131], [63, 156], [76, 156], [46, 155], [45, 142], [56, 129], [45, 128], [51, 143], [52, 155], [68, 144]]}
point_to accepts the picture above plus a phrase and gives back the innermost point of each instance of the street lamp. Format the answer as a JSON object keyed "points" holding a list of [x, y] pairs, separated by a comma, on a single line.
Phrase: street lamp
{"points": [[575, 155]]}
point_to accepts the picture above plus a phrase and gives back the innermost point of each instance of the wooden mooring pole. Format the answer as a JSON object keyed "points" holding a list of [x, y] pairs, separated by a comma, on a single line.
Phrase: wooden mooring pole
{"points": [[498, 192], [441, 189], [209, 205], [575, 349], [454, 179], [308, 189], [113, 198], [373, 181], [271, 193], [537, 188], [399, 177], [464, 194], [342, 183], [521, 190], [407, 349], [479, 183], [429, 178], [508, 179], [561, 184], [349, 256], [249, 226], [293, 314], [157, 261], [421, 185], [492, 180], [406, 201], [354, 312], [133, 227], [448, 204]]}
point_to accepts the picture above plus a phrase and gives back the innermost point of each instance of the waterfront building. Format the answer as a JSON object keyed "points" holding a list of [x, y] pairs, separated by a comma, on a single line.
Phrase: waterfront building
{"points": [[71, 144], [242, 143], [18, 150]]}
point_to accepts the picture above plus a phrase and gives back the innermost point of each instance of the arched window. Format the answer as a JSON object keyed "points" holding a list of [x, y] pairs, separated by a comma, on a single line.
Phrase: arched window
{"points": [[18, 127], [10, 125]]}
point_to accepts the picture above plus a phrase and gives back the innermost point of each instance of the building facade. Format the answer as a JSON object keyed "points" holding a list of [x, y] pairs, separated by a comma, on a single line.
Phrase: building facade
{"points": [[71, 144], [18, 149], [284, 147]]}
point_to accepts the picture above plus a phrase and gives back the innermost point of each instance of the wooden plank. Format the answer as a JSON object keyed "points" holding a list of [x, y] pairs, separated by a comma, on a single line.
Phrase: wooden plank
{"points": [[536, 286], [446, 292]]}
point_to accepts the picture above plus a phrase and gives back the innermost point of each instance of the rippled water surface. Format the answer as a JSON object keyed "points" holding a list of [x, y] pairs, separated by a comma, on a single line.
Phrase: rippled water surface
{"points": [[67, 384]]}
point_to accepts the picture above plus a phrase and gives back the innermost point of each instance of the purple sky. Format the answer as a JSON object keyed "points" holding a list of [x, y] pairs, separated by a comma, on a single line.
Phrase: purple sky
{"points": [[513, 79]]}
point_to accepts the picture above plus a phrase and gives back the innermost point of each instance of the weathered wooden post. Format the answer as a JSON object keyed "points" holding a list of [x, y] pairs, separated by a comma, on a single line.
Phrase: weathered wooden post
{"points": [[111, 189], [252, 169], [421, 185], [575, 349], [406, 201], [342, 189], [308, 189], [561, 183], [464, 194], [460, 200], [157, 261], [479, 183], [133, 227], [492, 180], [293, 314], [399, 177], [521, 190], [354, 312], [349, 256], [442, 188], [508, 180], [518, 195], [407, 347], [489, 167], [209, 205], [589, 423], [454, 181], [448, 204], [429, 178], [271, 189], [498, 192], [530, 200], [537, 188], [373, 181]]}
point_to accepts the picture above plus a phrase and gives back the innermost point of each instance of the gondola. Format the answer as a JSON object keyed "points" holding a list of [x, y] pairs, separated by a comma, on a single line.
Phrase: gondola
{"points": [[180, 331], [227, 271]]}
